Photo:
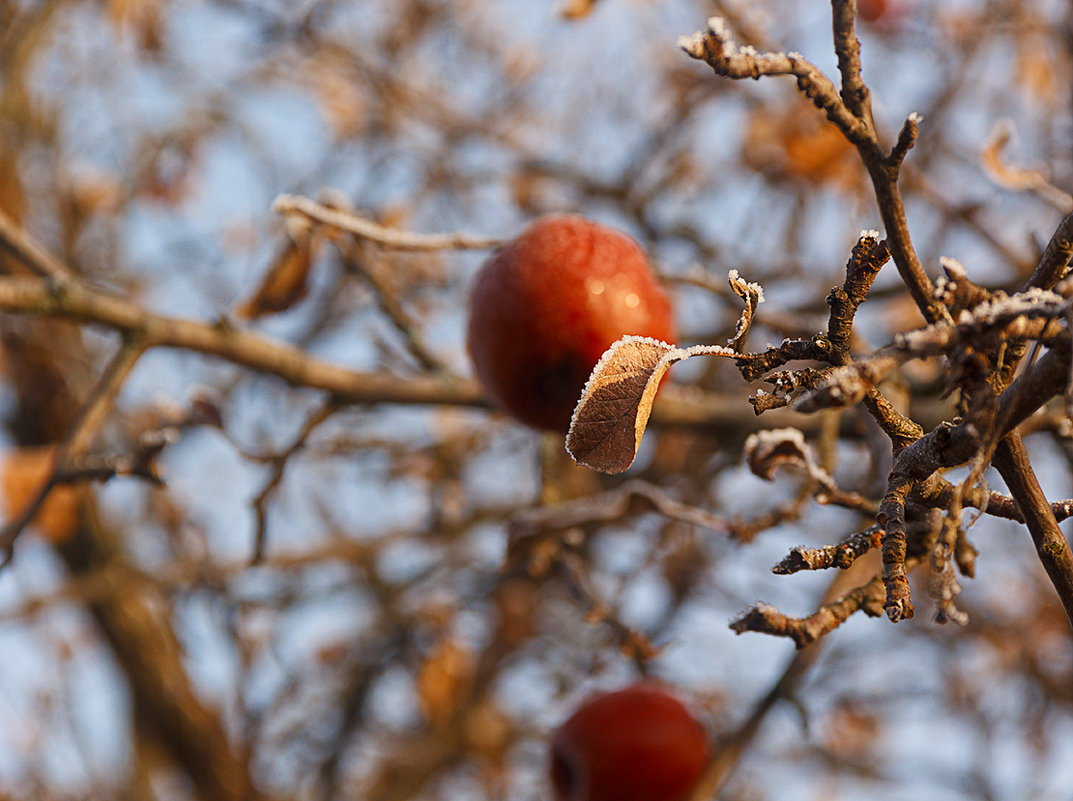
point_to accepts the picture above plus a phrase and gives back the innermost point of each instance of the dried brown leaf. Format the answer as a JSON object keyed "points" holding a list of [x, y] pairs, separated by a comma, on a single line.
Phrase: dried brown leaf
{"points": [[22, 475], [766, 450], [851, 730], [1003, 174], [790, 141], [1018, 179], [576, 9], [340, 98], [143, 20], [287, 281], [1037, 68], [91, 191], [615, 404], [752, 295], [443, 681]]}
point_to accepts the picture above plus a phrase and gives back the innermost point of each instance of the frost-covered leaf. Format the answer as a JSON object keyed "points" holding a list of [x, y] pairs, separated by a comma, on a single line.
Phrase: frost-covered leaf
{"points": [[610, 419], [611, 416], [752, 295], [766, 450]]}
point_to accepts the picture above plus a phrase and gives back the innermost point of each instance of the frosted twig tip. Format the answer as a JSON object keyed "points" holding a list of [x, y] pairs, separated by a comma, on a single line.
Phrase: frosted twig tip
{"points": [[693, 44]]}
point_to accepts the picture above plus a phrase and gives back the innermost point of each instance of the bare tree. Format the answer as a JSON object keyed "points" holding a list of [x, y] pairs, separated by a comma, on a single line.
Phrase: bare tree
{"points": [[264, 536]]}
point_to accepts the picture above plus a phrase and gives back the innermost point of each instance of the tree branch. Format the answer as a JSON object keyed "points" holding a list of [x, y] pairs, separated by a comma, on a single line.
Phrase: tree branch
{"points": [[1011, 460], [393, 238], [1055, 260]]}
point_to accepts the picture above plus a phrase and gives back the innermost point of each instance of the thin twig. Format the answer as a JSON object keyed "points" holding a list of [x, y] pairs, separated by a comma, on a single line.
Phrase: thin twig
{"points": [[279, 464], [730, 749], [393, 238], [842, 555], [717, 48], [848, 48], [75, 301], [30, 252], [88, 421], [1056, 256]]}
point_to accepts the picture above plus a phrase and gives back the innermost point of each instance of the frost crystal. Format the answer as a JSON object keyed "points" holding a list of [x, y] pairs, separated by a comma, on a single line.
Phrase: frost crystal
{"points": [[691, 43], [952, 267], [708, 350], [608, 355], [733, 276]]}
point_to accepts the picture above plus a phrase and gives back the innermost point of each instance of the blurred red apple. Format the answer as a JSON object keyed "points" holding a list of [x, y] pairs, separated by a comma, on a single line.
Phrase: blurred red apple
{"points": [[884, 15], [548, 304], [871, 10], [636, 744]]}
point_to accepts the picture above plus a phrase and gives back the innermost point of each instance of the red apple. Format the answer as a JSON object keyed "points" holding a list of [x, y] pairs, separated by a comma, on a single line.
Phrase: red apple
{"points": [[547, 305], [884, 15], [871, 10], [636, 744]]}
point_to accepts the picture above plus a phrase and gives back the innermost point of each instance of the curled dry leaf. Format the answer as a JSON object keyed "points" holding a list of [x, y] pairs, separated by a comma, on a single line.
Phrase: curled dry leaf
{"points": [[1018, 179], [1001, 172], [789, 141], [340, 98], [753, 295], [22, 475], [766, 450], [576, 9], [287, 280], [443, 681], [141, 19], [615, 404]]}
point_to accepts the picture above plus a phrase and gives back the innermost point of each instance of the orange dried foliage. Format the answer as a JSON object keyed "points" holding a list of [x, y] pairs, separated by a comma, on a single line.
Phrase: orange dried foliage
{"points": [[794, 141], [169, 174], [576, 9], [287, 281], [488, 732], [141, 19], [1035, 70], [517, 602], [91, 191], [851, 731], [444, 680], [341, 101], [22, 474]]}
